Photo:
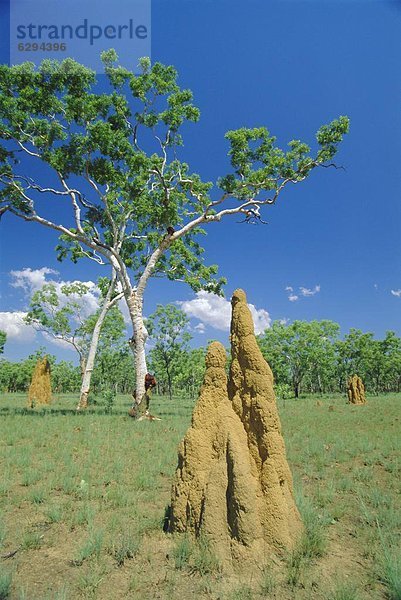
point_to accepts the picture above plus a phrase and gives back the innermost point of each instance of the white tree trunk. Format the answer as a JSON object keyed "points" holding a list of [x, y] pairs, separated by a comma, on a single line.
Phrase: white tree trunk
{"points": [[137, 344], [90, 361], [87, 374]]}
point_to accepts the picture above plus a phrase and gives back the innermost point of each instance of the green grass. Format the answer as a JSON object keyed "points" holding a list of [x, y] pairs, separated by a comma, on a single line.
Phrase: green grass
{"points": [[344, 590], [31, 540], [5, 585], [182, 551], [92, 547], [125, 546], [83, 497]]}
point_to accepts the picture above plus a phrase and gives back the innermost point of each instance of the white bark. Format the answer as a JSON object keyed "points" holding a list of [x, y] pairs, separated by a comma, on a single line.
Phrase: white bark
{"points": [[90, 361], [138, 340], [135, 306]]}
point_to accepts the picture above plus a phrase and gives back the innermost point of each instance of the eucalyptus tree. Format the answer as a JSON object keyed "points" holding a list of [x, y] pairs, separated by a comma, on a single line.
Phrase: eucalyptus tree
{"points": [[111, 156], [354, 356], [62, 314], [168, 330], [300, 349], [191, 373]]}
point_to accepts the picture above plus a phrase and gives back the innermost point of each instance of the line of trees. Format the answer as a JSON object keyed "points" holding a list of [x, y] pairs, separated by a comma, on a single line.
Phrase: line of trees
{"points": [[310, 356], [114, 370], [306, 357]]}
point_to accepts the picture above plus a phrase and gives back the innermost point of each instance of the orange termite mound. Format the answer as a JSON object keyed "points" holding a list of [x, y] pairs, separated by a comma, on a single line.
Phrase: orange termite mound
{"points": [[356, 390], [233, 484], [40, 390]]}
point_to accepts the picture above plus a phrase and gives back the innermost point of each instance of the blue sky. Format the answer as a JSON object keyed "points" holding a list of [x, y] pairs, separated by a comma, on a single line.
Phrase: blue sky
{"points": [[290, 66]]}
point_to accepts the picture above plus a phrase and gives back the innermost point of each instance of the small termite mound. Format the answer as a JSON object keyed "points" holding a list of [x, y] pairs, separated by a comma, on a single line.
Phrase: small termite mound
{"points": [[233, 484], [356, 390], [40, 390]]}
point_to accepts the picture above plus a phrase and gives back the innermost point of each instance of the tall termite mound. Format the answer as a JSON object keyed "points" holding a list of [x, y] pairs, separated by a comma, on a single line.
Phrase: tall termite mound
{"points": [[233, 484], [356, 390], [250, 389], [40, 390]]}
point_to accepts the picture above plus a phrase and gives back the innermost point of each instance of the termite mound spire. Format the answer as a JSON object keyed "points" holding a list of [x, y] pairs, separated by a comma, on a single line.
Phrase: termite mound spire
{"points": [[356, 390], [40, 390], [233, 484]]}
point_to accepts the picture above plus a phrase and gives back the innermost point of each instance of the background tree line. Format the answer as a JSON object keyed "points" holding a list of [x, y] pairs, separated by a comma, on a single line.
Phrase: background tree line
{"points": [[307, 357], [311, 357]]}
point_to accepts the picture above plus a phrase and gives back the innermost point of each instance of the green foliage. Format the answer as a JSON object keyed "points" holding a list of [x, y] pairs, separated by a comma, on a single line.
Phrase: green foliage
{"points": [[65, 377], [80, 132], [109, 397], [324, 362], [59, 315], [3, 339], [122, 143], [114, 368], [296, 349], [62, 316], [16, 377], [378, 362], [310, 355], [167, 329], [260, 166], [283, 391], [190, 372]]}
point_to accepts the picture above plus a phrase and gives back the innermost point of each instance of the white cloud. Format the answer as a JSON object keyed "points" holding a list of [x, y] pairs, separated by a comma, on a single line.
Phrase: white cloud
{"points": [[309, 292], [215, 311], [396, 293], [12, 323], [31, 280], [210, 309], [261, 318], [303, 291], [200, 328]]}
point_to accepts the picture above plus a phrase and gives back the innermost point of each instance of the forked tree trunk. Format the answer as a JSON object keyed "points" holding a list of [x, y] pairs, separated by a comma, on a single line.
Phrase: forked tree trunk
{"points": [[134, 299]]}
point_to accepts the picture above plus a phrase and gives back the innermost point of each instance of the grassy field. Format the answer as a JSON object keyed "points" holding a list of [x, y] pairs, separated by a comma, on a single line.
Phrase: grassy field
{"points": [[83, 498]]}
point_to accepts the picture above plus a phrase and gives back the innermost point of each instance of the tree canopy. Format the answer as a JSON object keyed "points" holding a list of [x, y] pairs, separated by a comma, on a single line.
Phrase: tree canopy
{"points": [[113, 157]]}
